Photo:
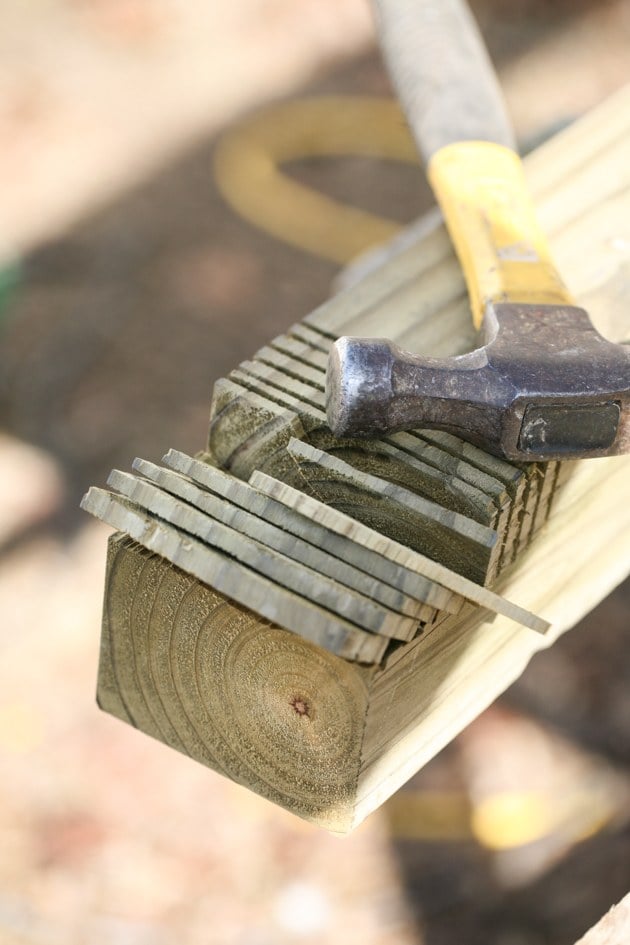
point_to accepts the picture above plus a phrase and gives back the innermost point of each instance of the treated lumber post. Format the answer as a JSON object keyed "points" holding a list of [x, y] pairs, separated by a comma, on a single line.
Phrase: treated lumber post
{"points": [[256, 621]]}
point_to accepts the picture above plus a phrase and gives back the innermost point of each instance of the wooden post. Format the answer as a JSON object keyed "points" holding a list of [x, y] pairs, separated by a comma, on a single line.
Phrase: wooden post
{"points": [[316, 618]]}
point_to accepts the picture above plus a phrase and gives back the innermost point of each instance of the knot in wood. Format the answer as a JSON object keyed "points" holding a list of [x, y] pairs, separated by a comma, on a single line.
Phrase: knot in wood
{"points": [[301, 706]]}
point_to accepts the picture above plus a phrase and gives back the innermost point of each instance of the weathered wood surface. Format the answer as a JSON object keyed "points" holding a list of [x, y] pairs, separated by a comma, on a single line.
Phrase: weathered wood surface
{"points": [[289, 543], [233, 544], [428, 691], [253, 426], [406, 559], [262, 705], [377, 564], [240, 541], [265, 597]]}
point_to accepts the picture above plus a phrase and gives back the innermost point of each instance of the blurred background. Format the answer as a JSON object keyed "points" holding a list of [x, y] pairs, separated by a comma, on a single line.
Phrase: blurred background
{"points": [[128, 284]]}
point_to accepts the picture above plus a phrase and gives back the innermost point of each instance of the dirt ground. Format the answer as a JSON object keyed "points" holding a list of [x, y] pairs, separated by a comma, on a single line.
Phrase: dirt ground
{"points": [[128, 286]]}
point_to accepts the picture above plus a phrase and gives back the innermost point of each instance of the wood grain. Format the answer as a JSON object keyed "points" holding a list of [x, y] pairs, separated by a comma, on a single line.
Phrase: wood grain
{"points": [[208, 677]]}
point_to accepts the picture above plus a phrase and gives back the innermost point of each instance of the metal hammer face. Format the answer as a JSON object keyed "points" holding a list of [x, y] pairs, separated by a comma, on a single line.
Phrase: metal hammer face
{"points": [[546, 385]]}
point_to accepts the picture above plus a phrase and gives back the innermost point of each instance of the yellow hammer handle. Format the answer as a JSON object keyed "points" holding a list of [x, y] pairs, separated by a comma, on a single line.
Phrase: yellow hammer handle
{"points": [[504, 253]]}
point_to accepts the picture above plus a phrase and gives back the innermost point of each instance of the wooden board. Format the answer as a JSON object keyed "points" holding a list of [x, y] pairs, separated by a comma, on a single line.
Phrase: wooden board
{"points": [[442, 684], [273, 556], [316, 659]]}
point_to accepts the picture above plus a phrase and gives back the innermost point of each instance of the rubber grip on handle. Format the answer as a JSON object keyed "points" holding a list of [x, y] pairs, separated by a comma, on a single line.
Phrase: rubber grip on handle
{"points": [[492, 222]]}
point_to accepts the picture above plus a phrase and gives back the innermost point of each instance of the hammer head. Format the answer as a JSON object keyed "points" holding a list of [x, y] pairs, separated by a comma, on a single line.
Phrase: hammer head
{"points": [[545, 385]]}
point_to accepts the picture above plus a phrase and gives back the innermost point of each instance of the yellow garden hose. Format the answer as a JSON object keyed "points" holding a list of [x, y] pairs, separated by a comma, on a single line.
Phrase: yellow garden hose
{"points": [[249, 162]]}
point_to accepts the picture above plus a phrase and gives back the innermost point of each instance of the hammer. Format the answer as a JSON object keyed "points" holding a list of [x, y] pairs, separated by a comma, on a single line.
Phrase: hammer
{"points": [[545, 385]]}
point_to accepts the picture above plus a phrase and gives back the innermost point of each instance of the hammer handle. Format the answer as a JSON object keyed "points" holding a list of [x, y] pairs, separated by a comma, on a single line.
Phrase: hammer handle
{"points": [[442, 73], [503, 251], [445, 80]]}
